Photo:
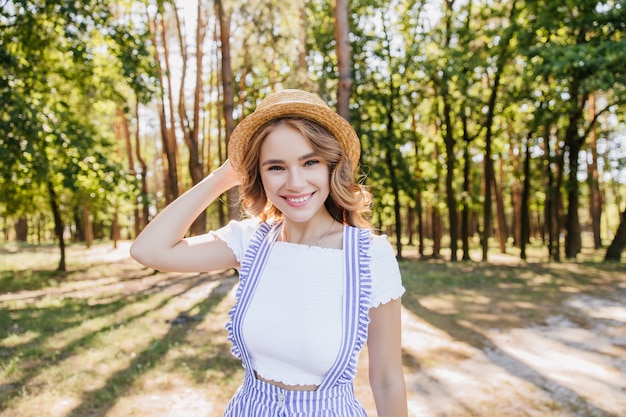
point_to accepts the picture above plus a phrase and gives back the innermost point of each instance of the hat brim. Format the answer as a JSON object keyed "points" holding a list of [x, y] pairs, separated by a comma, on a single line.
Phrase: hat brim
{"points": [[290, 106]]}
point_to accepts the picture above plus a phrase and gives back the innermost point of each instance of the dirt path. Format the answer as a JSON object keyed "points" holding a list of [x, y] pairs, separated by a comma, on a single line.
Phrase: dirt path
{"points": [[573, 364], [562, 368]]}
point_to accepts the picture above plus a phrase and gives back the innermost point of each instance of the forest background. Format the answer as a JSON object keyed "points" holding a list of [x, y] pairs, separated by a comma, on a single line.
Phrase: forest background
{"points": [[481, 121]]}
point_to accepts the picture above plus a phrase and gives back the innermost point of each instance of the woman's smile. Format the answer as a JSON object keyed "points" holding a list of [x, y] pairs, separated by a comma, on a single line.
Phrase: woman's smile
{"points": [[298, 201]]}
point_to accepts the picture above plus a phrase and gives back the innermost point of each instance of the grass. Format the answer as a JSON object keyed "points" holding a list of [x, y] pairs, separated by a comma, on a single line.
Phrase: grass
{"points": [[105, 330], [505, 295], [102, 339]]}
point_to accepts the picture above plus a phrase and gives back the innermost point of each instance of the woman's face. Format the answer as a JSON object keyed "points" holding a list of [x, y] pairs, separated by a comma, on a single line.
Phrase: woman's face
{"points": [[295, 178]]}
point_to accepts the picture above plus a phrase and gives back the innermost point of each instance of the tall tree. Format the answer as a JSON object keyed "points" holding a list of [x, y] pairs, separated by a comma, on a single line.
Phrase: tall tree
{"points": [[344, 58], [593, 180], [228, 101], [441, 80], [158, 28], [190, 121], [524, 212], [503, 56]]}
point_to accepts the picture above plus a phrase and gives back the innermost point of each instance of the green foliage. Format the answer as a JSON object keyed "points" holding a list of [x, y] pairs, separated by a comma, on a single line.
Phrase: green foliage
{"points": [[584, 40], [66, 69], [59, 102]]}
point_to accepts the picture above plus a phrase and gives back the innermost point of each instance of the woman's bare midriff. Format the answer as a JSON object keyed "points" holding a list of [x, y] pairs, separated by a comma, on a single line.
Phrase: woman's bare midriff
{"points": [[287, 387]]}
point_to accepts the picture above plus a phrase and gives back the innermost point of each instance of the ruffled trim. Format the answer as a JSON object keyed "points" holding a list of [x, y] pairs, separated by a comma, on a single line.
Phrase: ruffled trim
{"points": [[244, 273], [267, 375], [364, 293], [384, 299], [308, 247]]}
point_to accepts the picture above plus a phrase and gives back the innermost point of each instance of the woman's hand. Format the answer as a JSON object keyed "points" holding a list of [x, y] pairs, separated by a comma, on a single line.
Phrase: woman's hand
{"points": [[228, 174]]}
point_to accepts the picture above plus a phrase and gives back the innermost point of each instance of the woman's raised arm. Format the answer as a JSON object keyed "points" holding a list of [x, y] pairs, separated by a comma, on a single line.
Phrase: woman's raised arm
{"points": [[162, 244]]}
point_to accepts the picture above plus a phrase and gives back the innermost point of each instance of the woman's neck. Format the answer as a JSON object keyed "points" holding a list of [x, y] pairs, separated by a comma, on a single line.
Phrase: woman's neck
{"points": [[314, 232]]}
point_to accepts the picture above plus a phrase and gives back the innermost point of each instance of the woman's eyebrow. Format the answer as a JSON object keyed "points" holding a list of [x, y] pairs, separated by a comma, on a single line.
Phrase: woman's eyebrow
{"points": [[272, 162], [307, 156], [280, 161]]}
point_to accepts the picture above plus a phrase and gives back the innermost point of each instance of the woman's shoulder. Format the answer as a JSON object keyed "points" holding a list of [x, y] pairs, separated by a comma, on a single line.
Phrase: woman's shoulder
{"points": [[244, 226], [386, 276], [380, 245], [237, 234]]}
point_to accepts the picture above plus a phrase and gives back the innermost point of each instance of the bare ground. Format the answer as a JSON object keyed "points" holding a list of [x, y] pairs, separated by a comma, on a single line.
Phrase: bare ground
{"points": [[571, 364]]}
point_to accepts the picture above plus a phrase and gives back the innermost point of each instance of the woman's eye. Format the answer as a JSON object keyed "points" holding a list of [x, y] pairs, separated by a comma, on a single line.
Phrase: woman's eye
{"points": [[274, 168], [311, 162]]}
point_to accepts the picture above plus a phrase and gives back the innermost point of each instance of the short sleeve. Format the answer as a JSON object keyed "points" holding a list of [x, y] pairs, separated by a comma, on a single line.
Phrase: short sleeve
{"points": [[237, 235], [386, 278]]}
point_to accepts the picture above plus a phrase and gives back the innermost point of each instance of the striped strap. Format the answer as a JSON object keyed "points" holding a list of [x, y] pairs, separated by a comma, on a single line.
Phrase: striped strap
{"points": [[356, 306], [252, 266]]}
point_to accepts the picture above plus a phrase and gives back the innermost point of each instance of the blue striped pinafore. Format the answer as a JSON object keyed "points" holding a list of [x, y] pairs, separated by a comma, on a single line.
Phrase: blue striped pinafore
{"points": [[335, 396]]}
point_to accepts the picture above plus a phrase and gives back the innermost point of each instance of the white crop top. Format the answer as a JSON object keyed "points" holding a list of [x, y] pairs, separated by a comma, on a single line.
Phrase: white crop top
{"points": [[293, 326]]}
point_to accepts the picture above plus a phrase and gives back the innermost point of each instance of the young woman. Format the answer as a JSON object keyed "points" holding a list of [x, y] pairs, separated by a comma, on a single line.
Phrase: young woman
{"points": [[315, 283]]}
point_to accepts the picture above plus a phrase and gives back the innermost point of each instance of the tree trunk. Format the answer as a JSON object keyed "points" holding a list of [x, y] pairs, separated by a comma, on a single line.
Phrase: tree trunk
{"points": [[436, 222], [419, 208], [419, 205], [122, 132], [219, 117], [503, 232], [515, 153], [142, 200], [573, 143], [557, 204], [77, 229], [595, 198], [58, 225], [395, 186], [503, 56], [488, 170], [344, 58], [573, 243], [21, 229], [391, 154], [450, 164], [437, 231], [465, 229], [191, 129], [465, 214], [228, 94], [448, 138], [615, 249], [172, 155], [524, 210], [410, 224], [87, 227], [170, 165], [115, 228]]}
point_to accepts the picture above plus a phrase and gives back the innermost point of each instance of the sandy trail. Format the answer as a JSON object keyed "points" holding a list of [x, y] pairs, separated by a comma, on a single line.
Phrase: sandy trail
{"points": [[562, 368]]}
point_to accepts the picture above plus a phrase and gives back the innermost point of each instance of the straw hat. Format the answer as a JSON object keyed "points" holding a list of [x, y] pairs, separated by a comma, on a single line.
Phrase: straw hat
{"points": [[292, 103]]}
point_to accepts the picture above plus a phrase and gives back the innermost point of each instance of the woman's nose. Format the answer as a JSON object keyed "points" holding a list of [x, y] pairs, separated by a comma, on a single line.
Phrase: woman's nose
{"points": [[295, 179]]}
